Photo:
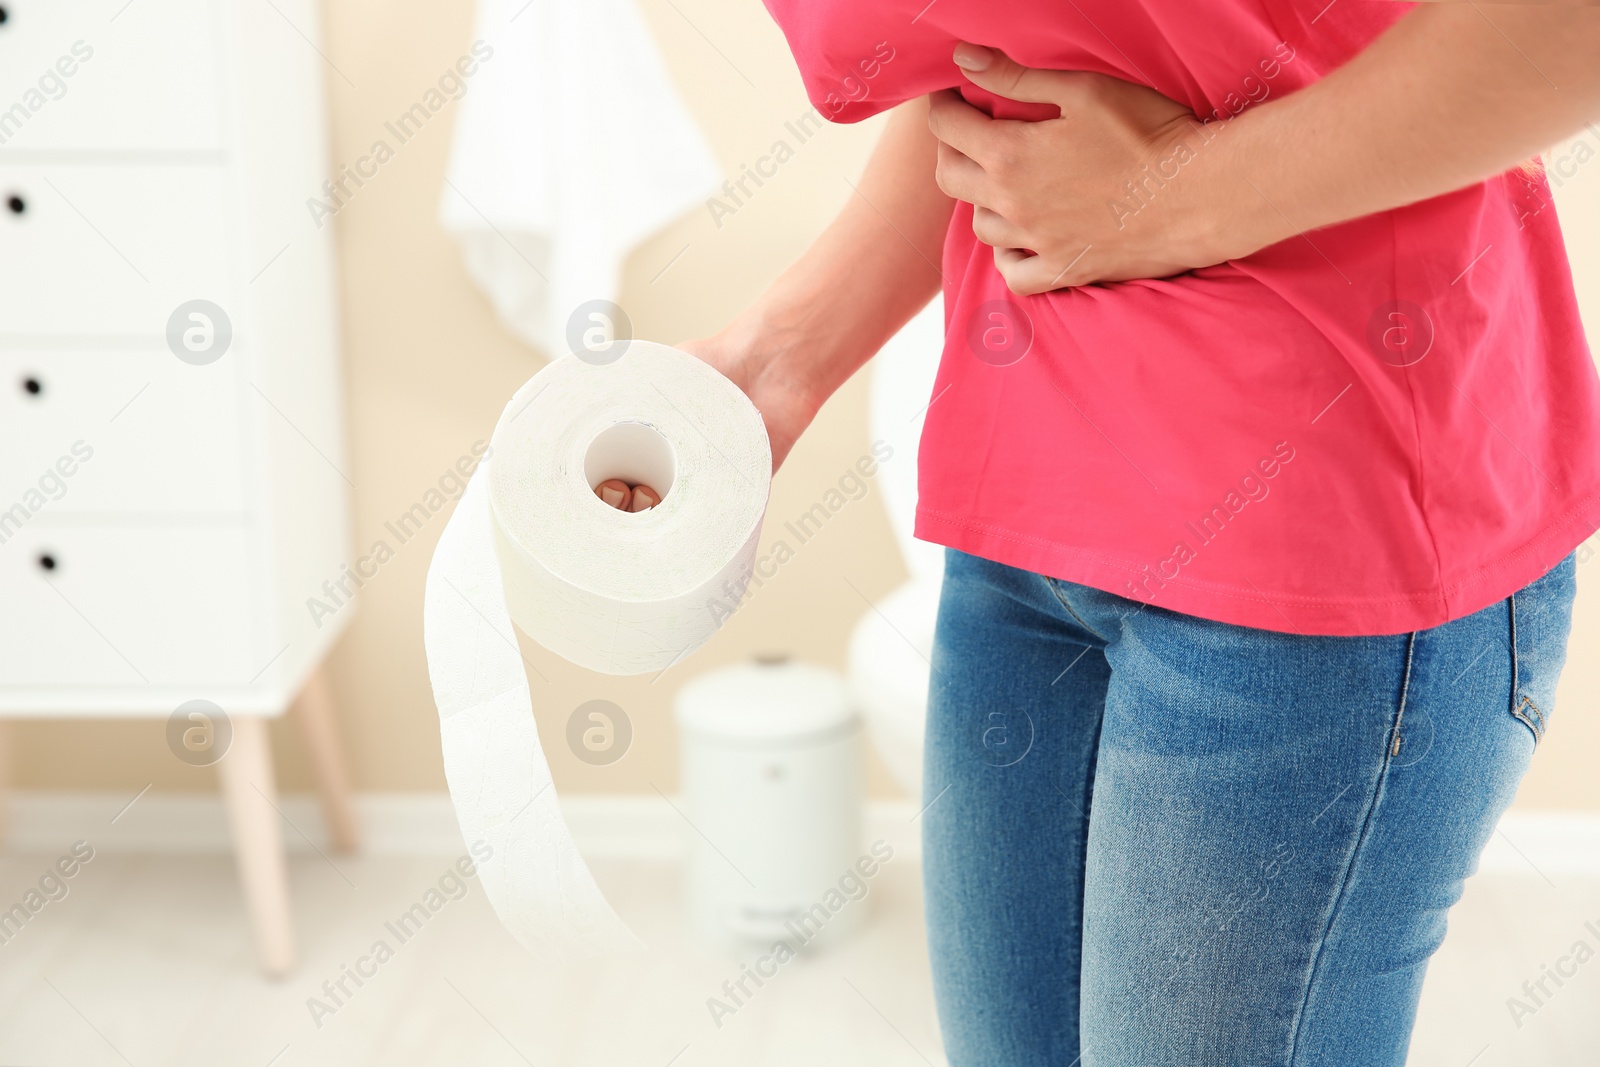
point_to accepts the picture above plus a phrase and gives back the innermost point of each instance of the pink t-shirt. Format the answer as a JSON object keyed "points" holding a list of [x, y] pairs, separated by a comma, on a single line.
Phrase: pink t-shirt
{"points": [[1374, 428]]}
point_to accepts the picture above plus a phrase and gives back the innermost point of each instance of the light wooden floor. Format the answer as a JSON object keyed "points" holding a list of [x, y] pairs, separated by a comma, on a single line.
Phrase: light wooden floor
{"points": [[147, 963]]}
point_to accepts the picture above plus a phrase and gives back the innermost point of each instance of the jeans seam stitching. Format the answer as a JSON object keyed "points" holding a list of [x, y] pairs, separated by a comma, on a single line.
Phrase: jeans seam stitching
{"points": [[1355, 855], [1521, 707], [1537, 728], [1051, 582], [1516, 674]]}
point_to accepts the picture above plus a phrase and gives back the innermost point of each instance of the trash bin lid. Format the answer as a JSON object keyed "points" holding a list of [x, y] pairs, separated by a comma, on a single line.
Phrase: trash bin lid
{"points": [[771, 699]]}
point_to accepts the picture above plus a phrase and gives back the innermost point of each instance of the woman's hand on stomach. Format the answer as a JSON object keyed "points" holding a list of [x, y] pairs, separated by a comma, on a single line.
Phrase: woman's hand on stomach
{"points": [[1092, 196], [1450, 96]]}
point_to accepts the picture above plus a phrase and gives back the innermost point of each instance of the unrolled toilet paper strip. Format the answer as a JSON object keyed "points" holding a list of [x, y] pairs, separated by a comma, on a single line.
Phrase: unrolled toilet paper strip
{"points": [[616, 592]]}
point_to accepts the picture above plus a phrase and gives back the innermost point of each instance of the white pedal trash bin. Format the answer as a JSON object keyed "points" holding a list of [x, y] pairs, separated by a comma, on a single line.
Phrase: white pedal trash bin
{"points": [[771, 779]]}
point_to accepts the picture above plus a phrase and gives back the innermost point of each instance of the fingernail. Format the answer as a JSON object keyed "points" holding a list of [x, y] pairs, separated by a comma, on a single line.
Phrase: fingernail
{"points": [[614, 491], [644, 498], [972, 56]]}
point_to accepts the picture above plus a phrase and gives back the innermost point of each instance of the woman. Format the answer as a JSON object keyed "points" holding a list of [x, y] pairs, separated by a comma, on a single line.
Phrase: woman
{"points": [[1264, 432]]}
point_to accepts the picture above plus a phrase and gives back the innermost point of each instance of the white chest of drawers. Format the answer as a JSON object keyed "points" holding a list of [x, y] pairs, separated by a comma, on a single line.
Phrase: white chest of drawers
{"points": [[170, 557], [163, 520]]}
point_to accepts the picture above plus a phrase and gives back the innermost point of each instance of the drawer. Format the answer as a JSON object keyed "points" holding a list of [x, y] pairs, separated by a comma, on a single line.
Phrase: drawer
{"points": [[109, 249], [143, 76], [138, 432], [126, 606]]}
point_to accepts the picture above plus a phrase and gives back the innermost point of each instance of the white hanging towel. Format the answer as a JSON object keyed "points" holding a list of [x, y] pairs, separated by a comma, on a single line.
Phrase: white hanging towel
{"points": [[571, 147]]}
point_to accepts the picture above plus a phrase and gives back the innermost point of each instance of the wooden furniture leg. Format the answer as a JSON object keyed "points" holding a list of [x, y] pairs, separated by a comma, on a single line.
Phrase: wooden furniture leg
{"points": [[5, 778], [251, 797], [314, 712]]}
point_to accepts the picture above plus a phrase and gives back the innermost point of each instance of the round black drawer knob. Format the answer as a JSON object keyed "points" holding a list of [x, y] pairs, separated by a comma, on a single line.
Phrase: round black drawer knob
{"points": [[16, 204], [32, 386], [47, 562]]}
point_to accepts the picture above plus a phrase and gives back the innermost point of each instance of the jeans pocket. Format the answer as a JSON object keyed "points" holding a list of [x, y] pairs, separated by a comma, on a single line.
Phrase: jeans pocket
{"points": [[1541, 620]]}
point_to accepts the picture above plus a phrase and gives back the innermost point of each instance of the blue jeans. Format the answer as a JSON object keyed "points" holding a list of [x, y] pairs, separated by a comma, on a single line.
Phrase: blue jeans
{"points": [[1155, 840]]}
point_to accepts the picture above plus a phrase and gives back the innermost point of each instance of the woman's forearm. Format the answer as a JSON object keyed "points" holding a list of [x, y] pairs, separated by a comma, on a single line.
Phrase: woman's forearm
{"points": [[1451, 95], [869, 272]]}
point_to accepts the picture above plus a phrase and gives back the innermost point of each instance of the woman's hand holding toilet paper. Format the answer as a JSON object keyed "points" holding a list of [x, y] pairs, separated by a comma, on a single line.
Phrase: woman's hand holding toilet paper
{"points": [[528, 549], [774, 382]]}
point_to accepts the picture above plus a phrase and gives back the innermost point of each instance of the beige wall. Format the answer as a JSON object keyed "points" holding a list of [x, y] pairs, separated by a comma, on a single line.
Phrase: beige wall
{"points": [[428, 369]]}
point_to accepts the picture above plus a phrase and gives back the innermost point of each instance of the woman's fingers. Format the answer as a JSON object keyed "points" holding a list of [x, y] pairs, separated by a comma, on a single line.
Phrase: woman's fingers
{"points": [[616, 492], [968, 130], [1027, 274], [992, 229], [624, 497], [962, 178], [992, 69], [1020, 269]]}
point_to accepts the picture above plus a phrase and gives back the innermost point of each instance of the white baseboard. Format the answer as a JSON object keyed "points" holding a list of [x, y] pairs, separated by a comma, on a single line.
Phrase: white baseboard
{"points": [[392, 824], [604, 825]]}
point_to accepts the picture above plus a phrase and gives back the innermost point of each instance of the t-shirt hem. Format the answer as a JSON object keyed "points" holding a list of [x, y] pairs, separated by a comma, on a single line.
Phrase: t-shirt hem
{"points": [[1321, 616]]}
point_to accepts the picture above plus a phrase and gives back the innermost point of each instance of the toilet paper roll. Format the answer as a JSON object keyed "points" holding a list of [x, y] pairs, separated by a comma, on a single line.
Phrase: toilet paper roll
{"points": [[616, 592]]}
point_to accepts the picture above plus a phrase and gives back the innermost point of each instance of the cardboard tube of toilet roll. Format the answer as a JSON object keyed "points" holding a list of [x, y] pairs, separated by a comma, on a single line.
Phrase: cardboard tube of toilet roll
{"points": [[612, 591]]}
